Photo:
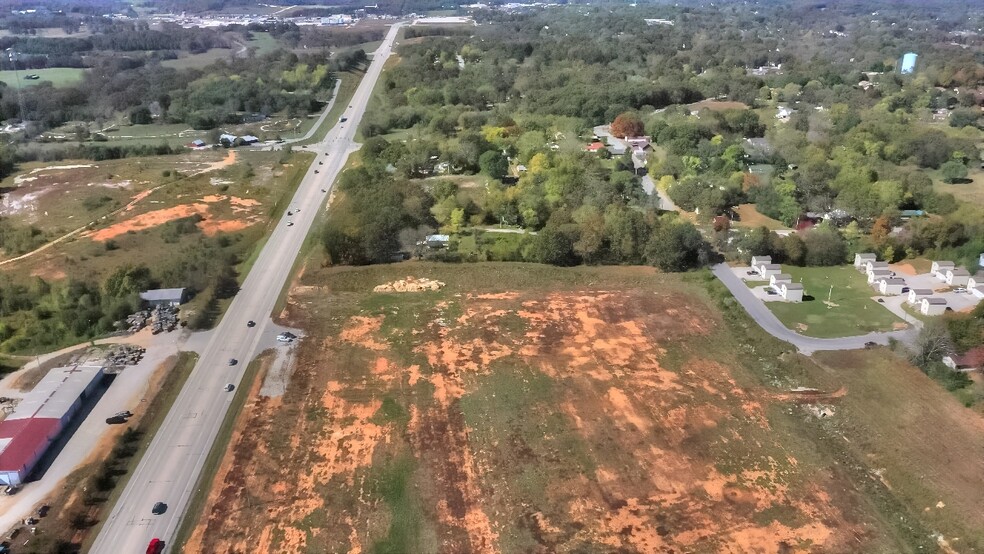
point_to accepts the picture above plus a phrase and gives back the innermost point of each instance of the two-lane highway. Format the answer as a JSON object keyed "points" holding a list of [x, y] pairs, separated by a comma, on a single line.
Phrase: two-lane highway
{"points": [[172, 464]]}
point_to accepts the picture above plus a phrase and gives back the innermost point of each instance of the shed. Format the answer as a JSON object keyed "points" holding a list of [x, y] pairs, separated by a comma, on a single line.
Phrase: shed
{"points": [[791, 292], [957, 276], [861, 260], [932, 305], [916, 295], [198, 143], [891, 286], [249, 139], [168, 297]]}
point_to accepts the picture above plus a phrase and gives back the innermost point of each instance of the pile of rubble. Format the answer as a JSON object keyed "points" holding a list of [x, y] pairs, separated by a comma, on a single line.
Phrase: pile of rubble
{"points": [[163, 318], [125, 354], [410, 284], [137, 321]]}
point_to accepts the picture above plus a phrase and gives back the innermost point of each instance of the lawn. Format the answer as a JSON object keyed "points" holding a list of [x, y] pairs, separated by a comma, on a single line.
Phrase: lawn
{"points": [[532, 408], [748, 216], [971, 192], [59, 76], [850, 310]]}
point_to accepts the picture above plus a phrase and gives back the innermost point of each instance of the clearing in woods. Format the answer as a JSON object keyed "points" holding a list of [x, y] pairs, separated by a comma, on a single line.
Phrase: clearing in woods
{"points": [[526, 408]]}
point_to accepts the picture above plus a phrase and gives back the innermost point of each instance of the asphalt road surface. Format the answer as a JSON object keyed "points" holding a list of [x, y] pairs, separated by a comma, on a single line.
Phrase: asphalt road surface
{"points": [[757, 310], [170, 468]]}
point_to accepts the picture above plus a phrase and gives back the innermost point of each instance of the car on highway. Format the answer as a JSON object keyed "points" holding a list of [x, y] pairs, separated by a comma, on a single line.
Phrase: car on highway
{"points": [[342, 120], [156, 546], [233, 361], [321, 163], [315, 170], [290, 223], [229, 387], [290, 212], [159, 508], [251, 323]]}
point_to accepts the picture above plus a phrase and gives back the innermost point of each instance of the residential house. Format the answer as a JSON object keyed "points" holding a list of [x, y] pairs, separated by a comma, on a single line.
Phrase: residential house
{"points": [[975, 285], [778, 279], [768, 270], [249, 139], [791, 292], [759, 260], [939, 268], [932, 305], [875, 264], [197, 143], [227, 138], [971, 360], [916, 295], [891, 286], [876, 275], [594, 147], [861, 260], [957, 277], [977, 291]]}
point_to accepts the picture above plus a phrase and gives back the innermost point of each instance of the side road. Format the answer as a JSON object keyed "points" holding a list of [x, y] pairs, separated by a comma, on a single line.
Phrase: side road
{"points": [[806, 345]]}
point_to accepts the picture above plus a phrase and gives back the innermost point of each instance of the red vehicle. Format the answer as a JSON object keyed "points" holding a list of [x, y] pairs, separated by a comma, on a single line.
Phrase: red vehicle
{"points": [[155, 546]]}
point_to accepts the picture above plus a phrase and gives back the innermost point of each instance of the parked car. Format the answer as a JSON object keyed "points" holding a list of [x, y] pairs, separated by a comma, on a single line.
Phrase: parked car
{"points": [[115, 420], [159, 508], [870, 344], [43, 510], [10, 489]]}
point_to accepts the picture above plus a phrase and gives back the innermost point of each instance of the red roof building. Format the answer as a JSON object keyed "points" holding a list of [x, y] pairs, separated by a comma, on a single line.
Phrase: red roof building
{"points": [[22, 443], [594, 147], [970, 360]]}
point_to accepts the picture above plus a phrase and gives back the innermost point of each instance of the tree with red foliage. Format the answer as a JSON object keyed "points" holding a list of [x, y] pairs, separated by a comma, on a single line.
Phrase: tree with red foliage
{"points": [[627, 124]]}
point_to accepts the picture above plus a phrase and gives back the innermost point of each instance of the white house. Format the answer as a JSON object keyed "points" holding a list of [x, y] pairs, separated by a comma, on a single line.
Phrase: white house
{"points": [[759, 260], [779, 278], [861, 260], [977, 291], [957, 276], [916, 295], [939, 267], [875, 264], [975, 280], [791, 292], [932, 305], [768, 270], [891, 286], [874, 275]]}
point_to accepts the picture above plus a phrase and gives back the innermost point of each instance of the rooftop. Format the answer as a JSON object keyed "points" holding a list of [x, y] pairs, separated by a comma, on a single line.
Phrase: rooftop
{"points": [[158, 295], [55, 394], [936, 301]]}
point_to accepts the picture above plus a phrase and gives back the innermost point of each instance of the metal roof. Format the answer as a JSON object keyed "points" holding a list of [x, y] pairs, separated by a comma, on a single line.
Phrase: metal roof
{"points": [[160, 295], [24, 441], [936, 301], [55, 394]]}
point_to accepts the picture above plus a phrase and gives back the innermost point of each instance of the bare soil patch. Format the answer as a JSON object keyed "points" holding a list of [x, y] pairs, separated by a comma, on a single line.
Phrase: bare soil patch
{"points": [[531, 420]]}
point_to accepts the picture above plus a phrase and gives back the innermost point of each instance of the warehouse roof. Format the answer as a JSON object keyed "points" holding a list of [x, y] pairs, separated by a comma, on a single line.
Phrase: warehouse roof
{"points": [[55, 394], [163, 295], [21, 439]]}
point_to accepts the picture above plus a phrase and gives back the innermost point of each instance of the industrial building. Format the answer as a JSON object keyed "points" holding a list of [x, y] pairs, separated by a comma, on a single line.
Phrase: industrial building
{"points": [[41, 416], [167, 297]]}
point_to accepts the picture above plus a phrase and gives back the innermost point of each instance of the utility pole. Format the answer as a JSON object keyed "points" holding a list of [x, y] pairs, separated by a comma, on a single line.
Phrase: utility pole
{"points": [[20, 97]]}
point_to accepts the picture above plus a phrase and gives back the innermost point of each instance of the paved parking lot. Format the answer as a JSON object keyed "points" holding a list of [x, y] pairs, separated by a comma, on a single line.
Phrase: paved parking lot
{"points": [[763, 292], [958, 301]]}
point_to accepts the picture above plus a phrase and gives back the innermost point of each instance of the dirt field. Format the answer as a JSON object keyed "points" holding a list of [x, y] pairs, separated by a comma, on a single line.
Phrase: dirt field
{"points": [[532, 409]]}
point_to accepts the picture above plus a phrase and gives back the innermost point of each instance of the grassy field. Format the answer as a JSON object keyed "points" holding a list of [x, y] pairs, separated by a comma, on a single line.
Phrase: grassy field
{"points": [[59, 76], [748, 216], [850, 310], [972, 192], [530, 408]]}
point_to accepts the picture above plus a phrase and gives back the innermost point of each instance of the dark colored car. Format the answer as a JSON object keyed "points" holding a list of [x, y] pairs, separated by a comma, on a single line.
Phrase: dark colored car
{"points": [[251, 323], [115, 420], [43, 510], [159, 508], [233, 361]]}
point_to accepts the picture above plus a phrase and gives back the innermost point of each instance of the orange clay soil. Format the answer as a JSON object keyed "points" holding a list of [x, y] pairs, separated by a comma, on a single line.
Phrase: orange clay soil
{"points": [[210, 225], [651, 459]]}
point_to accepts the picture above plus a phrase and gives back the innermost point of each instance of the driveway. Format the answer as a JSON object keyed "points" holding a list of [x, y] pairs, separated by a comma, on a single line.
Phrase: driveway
{"points": [[806, 345], [664, 201]]}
